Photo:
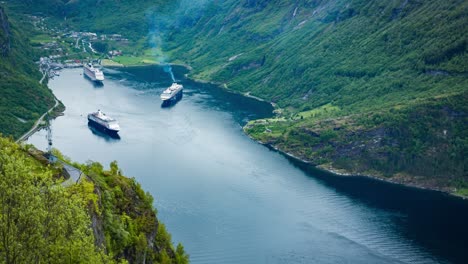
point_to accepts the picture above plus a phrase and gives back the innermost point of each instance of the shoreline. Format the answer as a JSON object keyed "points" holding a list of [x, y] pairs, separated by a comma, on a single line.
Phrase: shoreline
{"points": [[119, 65], [326, 169], [189, 68], [330, 170], [336, 173], [38, 124]]}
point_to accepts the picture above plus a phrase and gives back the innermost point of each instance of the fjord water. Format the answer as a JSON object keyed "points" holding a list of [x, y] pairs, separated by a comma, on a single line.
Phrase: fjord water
{"points": [[231, 200]]}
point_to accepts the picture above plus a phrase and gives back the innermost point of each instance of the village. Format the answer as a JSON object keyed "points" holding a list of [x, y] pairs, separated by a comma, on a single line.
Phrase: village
{"points": [[71, 49]]}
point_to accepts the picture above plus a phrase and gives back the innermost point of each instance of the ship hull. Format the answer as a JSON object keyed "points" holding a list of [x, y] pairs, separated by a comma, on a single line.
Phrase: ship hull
{"points": [[101, 127], [174, 97], [92, 75], [172, 101], [101, 131]]}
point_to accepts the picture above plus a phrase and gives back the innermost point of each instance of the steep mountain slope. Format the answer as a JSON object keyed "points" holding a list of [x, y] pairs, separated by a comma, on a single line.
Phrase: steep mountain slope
{"points": [[363, 86], [368, 87], [22, 98], [103, 218], [127, 17], [309, 53]]}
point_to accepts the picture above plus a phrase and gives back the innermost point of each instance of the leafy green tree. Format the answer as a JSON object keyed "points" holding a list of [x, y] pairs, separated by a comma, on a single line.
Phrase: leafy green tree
{"points": [[40, 221], [181, 256]]}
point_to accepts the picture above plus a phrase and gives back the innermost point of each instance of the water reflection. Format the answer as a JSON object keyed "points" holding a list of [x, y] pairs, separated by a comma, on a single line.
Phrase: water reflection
{"points": [[425, 216], [229, 200]]}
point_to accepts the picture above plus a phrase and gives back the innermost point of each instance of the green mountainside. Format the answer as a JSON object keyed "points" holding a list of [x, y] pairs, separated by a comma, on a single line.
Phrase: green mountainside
{"points": [[22, 98], [365, 87], [114, 16], [305, 54], [362, 87], [104, 218]]}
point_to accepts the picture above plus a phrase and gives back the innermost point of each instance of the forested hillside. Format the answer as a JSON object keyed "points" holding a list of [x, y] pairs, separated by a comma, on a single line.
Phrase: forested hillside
{"points": [[104, 218], [22, 98], [368, 87], [129, 17], [365, 87], [306, 54]]}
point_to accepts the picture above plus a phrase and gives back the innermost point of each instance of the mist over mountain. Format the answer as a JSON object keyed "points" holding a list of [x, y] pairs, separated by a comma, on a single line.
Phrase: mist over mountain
{"points": [[365, 86], [359, 88]]}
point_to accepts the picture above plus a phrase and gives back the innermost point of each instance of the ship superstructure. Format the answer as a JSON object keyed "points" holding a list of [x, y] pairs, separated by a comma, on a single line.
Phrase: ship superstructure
{"points": [[104, 122], [174, 92], [93, 73]]}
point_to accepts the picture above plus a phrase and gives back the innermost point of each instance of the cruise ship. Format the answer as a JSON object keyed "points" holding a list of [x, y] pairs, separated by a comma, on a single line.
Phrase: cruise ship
{"points": [[92, 73], [174, 92], [104, 122]]}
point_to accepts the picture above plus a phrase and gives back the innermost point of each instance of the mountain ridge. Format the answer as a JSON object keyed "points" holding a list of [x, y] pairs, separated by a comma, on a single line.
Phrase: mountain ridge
{"points": [[364, 87], [23, 98], [337, 71]]}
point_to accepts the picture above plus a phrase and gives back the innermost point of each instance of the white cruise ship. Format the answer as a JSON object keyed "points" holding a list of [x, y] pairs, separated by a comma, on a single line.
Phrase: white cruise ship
{"points": [[92, 73], [100, 120], [174, 92]]}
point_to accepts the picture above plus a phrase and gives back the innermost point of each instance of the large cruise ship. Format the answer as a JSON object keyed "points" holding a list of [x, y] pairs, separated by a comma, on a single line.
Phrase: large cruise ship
{"points": [[94, 74], [174, 92], [101, 120]]}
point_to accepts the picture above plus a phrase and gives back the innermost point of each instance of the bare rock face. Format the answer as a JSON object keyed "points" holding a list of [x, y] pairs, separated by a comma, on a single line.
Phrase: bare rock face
{"points": [[4, 34]]}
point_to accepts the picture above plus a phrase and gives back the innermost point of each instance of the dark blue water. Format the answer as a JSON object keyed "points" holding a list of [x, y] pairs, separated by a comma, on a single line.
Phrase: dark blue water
{"points": [[231, 200]]}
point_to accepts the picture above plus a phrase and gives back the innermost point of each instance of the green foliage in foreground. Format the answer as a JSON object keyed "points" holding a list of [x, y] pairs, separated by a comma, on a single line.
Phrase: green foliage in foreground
{"points": [[131, 229], [41, 221], [363, 67], [105, 218]]}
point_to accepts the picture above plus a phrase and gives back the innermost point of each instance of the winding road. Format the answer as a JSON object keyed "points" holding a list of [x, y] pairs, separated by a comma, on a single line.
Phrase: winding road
{"points": [[39, 121]]}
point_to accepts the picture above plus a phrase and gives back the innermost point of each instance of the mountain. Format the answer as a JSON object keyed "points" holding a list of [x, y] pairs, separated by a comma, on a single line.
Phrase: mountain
{"points": [[22, 98], [305, 54], [110, 16], [363, 87], [104, 217]]}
